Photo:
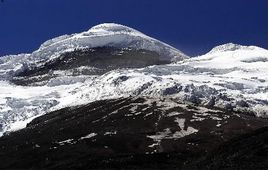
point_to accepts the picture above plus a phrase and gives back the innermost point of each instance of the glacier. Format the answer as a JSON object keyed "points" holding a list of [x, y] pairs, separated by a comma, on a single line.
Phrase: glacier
{"points": [[230, 77]]}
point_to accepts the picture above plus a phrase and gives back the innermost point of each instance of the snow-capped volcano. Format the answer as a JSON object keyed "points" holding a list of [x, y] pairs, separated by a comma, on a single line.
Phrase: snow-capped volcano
{"points": [[68, 71], [106, 35], [112, 35], [103, 35]]}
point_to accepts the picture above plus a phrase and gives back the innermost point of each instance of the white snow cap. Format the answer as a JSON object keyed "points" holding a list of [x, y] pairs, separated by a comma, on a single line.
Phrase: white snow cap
{"points": [[108, 34], [113, 27]]}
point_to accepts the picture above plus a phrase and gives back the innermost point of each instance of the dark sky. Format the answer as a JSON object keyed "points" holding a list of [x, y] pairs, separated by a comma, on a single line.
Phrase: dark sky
{"points": [[193, 26]]}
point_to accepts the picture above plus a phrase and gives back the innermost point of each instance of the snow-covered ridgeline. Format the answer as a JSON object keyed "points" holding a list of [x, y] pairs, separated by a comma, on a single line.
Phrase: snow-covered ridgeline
{"points": [[110, 34]]}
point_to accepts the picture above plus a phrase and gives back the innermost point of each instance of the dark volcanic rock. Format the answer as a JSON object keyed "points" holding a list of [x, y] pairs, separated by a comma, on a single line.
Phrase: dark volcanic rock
{"points": [[249, 151], [134, 133]]}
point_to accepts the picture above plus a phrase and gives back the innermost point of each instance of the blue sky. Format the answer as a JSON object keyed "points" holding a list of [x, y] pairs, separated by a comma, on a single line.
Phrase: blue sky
{"points": [[193, 26]]}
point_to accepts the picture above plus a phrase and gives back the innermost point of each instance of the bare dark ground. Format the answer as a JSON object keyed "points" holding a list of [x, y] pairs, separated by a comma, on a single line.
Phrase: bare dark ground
{"points": [[118, 139]]}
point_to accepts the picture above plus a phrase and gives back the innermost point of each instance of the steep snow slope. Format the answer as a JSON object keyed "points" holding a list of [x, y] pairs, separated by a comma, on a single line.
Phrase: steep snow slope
{"points": [[93, 61], [231, 77]]}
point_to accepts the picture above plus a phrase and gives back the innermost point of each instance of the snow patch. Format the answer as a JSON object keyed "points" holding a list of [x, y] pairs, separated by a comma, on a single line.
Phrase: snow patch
{"points": [[91, 135], [110, 133], [68, 141], [18, 125]]}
